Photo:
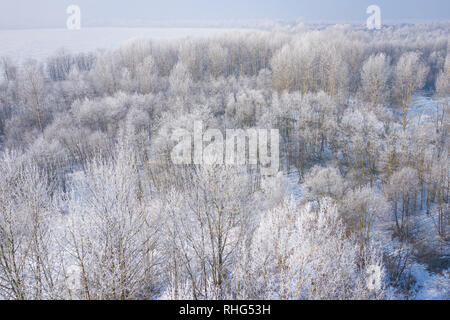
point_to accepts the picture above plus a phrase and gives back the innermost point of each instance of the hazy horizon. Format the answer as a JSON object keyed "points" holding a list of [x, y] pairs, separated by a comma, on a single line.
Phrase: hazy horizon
{"points": [[27, 14]]}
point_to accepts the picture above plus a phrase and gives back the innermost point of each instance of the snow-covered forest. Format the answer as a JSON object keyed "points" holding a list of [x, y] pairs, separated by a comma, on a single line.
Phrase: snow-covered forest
{"points": [[92, 207]]}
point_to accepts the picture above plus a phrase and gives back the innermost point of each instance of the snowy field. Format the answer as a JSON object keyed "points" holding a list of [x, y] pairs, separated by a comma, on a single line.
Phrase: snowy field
{"points": [[40, 43]]}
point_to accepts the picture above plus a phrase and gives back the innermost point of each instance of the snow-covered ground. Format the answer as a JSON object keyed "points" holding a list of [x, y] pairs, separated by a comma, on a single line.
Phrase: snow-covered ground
{"points": [[40, 43], [430, 286], [293, 185], [422, 105]]}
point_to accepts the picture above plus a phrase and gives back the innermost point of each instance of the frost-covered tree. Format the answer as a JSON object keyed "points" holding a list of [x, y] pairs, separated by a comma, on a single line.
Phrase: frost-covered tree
{"points": [[29, 261], [375, 76], [8, 68], [303, 253], [180, 82], [205, 229], [323, 183], [361, 210], [112, 236], [402, 192], [361, 141], [409, 76], [32, 92]]}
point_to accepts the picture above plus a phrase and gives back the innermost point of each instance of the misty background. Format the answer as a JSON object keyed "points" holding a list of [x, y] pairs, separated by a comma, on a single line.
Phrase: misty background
{"points": [[29, 14]]}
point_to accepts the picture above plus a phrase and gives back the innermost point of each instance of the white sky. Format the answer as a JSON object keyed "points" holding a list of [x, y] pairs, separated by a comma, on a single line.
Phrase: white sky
{"points": [[52, 13]]}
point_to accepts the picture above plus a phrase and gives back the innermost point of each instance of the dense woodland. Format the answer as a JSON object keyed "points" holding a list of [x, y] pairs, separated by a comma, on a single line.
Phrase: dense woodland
{"points": [[91, 207]]}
